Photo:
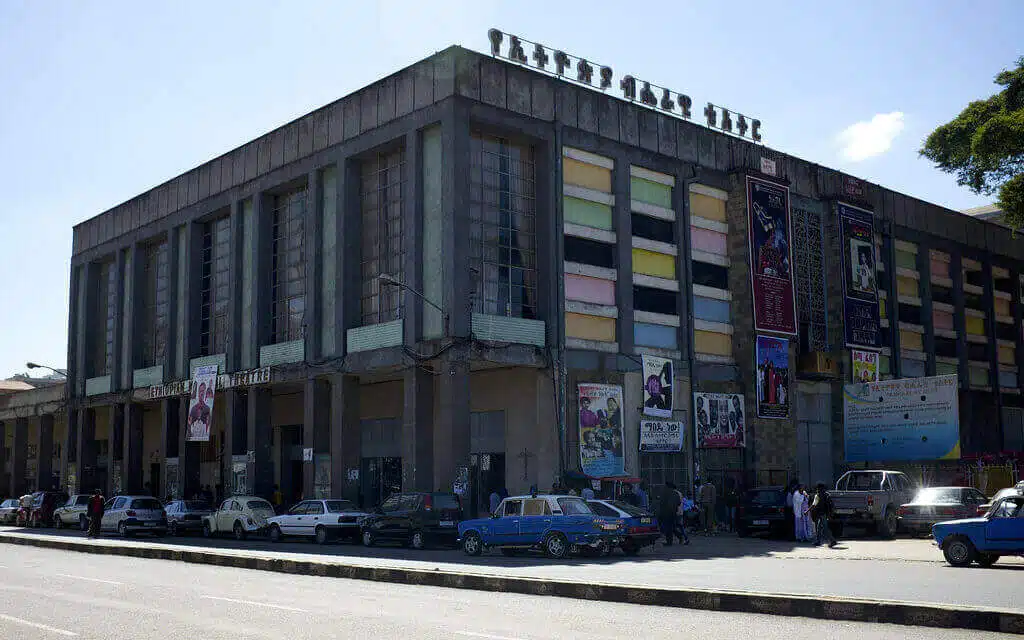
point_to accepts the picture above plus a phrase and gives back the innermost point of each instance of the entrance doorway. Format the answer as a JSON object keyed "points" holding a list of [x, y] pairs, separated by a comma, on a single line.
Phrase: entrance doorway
{"points": [[380, 477], [154, 480], [290, 463], [487, 474], [814, 433]]}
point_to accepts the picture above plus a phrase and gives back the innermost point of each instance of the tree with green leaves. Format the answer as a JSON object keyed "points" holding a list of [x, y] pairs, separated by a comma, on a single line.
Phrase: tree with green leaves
{"points": [[984, 146]]}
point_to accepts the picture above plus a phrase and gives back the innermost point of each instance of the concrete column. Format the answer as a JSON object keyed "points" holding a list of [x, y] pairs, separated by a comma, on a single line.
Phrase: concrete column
{"points": [[623, 222], [44, 452], [957, 272], [892, 298], [173, 321], [188, 455], [313, 256], [169, 408], [924, 269], [261, 296], [236, 409], [347, 307], [131, 463], [86, 447], [191, 326], [345, 436], [115, 447], [451, 442], [458, 288], [418, 431], [119, 367], [19, 454], [412, 224], [316, 427], [261, 465], [988, 298], [234, 341], [5, 479]]}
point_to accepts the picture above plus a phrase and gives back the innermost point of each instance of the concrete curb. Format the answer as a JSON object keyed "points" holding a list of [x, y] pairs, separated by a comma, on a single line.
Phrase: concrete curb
{"points": [[819, 607]]}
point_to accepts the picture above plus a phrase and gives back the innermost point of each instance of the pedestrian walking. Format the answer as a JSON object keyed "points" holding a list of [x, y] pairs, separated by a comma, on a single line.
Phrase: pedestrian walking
{"points": [[820, 510], [668, 507], [95, 513], [707, 496], [732, 502], [680, 520]]}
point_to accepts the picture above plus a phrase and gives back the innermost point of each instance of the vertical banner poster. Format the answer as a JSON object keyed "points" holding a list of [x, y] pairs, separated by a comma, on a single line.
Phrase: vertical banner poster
{"points": [[719, 420], [860, 282], [601, 449], [771, 257], [200, 407], [772, 364], [658, 377], [865, 365]]}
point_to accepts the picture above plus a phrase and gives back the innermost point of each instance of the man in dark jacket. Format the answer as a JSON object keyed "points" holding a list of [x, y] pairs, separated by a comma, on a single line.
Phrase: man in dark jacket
{"points": [[95, 513], [668, 508]]}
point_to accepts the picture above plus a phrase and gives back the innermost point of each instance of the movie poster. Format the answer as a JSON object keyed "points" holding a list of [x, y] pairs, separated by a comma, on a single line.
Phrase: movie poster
{"points": [[860, 278], [600, 420], [772, 364], [719, 420], [771, 257], [865, 365], [200, 407], [658, 376]]}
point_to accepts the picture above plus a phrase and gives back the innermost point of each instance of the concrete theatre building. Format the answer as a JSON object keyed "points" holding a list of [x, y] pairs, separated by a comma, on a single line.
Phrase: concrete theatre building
{"points": [[404, 288]]}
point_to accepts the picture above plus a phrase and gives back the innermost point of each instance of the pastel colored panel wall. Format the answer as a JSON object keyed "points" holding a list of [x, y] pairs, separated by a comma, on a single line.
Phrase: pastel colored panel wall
{"points": [[913, 368], [710, 241], [1007, 355], [911, 341], [707, 207], [650, 192], [975, 326], [1008, 379], [883, 311], [710, 342], [710, 309], [586, 289], [906, 260], [906, 286], [654, 264], [1002, 307], [942, 320], [884, 365], [586, 175], [979, 377], [587, 213], [940, 268], [945, 369], [654, 335], [578, 325]]}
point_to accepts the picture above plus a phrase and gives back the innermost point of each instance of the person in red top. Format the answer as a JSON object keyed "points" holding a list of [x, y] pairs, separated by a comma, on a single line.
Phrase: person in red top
{"points": [[95, 513]]}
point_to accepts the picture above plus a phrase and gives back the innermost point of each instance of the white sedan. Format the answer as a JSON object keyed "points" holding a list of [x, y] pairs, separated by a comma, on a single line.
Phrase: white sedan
{"points": [[321, 520], [239, 516]]}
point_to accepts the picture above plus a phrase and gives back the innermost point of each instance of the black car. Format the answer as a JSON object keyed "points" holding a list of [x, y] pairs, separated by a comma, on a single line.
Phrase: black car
{"points": [[414, 519], [762, 510], [186, 516]]}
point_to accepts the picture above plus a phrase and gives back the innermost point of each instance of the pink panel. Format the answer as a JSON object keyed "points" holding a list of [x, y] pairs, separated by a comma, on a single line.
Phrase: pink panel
{"points": [[942, 320], [585, 289], [940, 268], [709, 241]]}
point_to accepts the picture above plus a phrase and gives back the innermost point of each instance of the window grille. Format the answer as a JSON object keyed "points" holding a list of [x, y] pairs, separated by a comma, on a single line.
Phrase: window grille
{"points": [[288, 267], [155, 304], [808, 243], [383, 252], [215, 286]]}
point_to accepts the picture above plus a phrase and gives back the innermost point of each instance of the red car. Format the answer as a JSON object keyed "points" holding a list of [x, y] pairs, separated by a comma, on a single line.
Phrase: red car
{"points": [[43, 505]]}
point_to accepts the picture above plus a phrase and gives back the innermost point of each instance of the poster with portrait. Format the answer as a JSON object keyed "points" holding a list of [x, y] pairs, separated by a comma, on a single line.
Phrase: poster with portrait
{"points": [[860, 277], [772, 365], [771, 257], [600, 421], [865, 365], [658, 376], [200, 406], [719, 420]]}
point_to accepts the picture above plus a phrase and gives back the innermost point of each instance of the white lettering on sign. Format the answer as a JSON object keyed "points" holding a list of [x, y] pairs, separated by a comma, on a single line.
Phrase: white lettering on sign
{"points": [[248, 378]]}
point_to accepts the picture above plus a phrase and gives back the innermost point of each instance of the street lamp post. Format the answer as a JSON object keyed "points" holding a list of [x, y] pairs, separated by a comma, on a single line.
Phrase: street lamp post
{"points": [[395, 282], [59, 372]]}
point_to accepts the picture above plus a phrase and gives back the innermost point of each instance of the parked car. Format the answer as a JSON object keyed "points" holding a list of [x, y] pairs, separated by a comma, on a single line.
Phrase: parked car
{"points": [[186, 516], [73, 513], [935, 504], [1000, 532], [239, 516], [129, 515], [556, 524], [44, 503], [762, 510], [1002, 493], [322, 520], [871, 499], [639, 527], [415, 519], [9, 511]]}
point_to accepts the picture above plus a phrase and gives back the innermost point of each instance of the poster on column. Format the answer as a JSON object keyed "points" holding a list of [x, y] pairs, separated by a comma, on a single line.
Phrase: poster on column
{"points": [[658, 376], [200, 406], [772, 364], [600, 423], [771, 257], [661, 436], [719, 420], [860, 281], [865, 365]]}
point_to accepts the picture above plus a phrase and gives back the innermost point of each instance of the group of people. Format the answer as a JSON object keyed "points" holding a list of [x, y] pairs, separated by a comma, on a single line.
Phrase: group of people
{"points": [[811, 513]]}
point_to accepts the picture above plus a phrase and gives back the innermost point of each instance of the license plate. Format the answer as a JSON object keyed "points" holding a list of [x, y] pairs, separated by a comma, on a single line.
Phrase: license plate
{"points": [[645, 521], [760, 523], [149, 524], [844, 512], [447, 523]]}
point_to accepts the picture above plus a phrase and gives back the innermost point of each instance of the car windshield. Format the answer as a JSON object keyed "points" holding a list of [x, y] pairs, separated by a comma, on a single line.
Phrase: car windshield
{"points": [[445, 501], [259, 505], [763, 497], [865, 481], [635, 512], [9, 503], [574, 507], [337, 506], [939, 496], [1003, 493], [150, 504]]}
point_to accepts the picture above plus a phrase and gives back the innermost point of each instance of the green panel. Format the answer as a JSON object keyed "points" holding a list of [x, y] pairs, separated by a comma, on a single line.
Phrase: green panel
{"points": [[884, 364], [650, 192], [587, 213], [945, 369], [433, 232], [906, 260], [329, 242]]}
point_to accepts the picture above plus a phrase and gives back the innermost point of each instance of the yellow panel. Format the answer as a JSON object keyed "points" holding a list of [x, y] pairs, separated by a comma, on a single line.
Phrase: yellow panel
{"points": [[654, 264], [707, 207], [907, 286], [586, 175], [578, 325], [718, 344], [1002, 307], [911, 341], [975, 326], [1007, 355]]}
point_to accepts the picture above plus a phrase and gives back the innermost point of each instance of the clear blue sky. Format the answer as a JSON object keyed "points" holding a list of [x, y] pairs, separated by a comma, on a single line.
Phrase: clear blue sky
{"points": [[103, 100]]}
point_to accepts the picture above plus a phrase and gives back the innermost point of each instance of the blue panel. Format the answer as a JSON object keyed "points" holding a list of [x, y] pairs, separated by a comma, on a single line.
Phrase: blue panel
{"points": [[654, 335], [710, 309], [1007, 379]]}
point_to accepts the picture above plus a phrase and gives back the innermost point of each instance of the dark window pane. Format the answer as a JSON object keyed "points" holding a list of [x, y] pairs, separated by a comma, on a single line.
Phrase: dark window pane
{"points": [[710, 275], [945, 347], [655, 300], [654, 228], [598, 254]]}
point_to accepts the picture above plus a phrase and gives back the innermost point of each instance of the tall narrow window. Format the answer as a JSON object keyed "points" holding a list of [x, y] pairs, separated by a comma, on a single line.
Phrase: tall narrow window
{"points": [[289, 266], [810, 279], [155, 309], [214, 286], [503, 241], [104, 311], [383, 183]]}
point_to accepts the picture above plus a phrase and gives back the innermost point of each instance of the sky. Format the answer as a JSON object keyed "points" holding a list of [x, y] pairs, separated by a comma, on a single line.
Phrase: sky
{"points": [[104, 100]]}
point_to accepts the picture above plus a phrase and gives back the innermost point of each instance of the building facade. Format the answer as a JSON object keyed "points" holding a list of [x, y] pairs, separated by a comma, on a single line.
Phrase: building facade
{"points": [[404, 289]]}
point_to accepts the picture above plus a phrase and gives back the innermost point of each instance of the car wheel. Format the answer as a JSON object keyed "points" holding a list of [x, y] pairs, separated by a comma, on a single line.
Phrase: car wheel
{"points": [[987, 559], [57, 522], [122, 530], [556, 546], [417, 541], [889, 524], [472, 545], [509, 552], [630, 548], [958, 551], [239, 531], [207, 531], [320, 535], [275, 533], [368, 538], [83, 523]]}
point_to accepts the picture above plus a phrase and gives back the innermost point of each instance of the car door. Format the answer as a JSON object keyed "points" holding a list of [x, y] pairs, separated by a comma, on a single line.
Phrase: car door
{"points": [[112, 513], [506, 528], [384, 526], [292, 521], [314, 516], [1005, 529], [535, 521], [407, 517], [226, 516]]}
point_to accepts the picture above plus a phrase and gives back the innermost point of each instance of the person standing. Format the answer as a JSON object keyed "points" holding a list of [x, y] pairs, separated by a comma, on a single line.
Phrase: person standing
{"points": [[707, 496], [795, 503], [95, 513], [680, 520], [820, 510], [791, 512], [494, 500], [805, 516], [641, 496], [588, 493], [667, 509], [732, 503]]}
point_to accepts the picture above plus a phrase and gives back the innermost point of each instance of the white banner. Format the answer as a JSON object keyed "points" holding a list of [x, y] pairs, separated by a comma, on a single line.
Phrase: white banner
{"points": [[200, 407], [661, 436], [658, 376]]}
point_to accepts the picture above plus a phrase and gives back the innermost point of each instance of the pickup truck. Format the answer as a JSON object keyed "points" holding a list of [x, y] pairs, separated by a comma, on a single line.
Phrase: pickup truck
{"points": [[870, 499]]}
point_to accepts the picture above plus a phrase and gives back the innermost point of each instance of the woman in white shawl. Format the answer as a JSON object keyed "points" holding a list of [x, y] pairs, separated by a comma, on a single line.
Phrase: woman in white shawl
{"points": [[799, 521]]}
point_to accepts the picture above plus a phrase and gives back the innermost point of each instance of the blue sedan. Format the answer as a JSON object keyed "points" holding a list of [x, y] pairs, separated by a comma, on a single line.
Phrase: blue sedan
{"points": [[1000, 532], [558, 525]]}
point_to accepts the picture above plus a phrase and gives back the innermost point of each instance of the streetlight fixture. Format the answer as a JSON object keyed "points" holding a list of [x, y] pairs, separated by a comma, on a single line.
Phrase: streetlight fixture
{"points": [[388, 279], [59, 372]]}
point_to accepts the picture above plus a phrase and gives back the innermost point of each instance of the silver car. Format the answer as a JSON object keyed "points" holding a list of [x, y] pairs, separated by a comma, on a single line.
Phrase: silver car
{"points": [[9, 511], [128, 515], [73, 513]]}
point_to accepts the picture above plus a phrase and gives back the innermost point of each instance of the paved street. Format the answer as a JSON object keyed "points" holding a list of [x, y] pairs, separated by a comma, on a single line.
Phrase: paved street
{"points": [[51, 594], [902, 569]]}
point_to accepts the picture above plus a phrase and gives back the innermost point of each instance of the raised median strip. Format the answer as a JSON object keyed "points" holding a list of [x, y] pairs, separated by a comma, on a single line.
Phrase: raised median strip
{"points": [[818, 607]]}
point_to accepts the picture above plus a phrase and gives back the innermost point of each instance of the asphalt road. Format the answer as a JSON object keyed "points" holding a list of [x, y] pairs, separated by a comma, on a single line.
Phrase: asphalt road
{"points": [[48, 594]]}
